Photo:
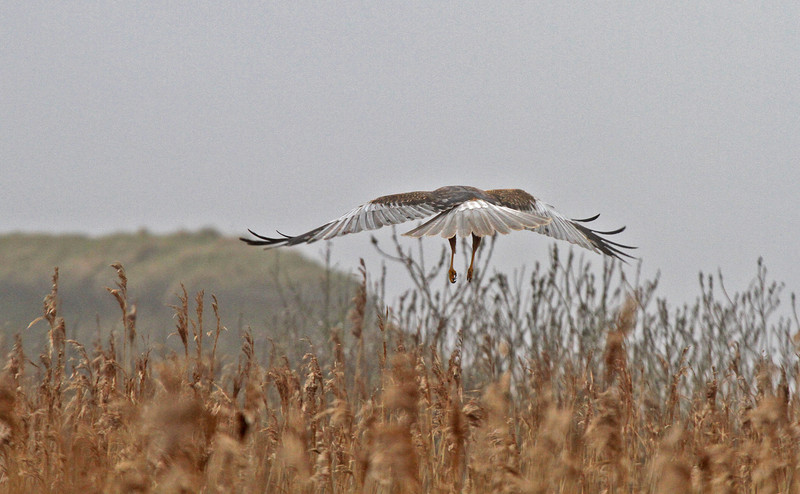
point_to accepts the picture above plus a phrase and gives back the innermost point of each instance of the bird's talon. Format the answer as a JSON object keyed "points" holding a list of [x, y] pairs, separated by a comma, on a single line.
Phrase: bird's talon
{"points": [[469, 275], [451, 275]]}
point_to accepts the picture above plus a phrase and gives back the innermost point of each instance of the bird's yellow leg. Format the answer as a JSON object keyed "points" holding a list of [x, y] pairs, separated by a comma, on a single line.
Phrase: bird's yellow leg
{"points": [[451, 274], [476, 241]]}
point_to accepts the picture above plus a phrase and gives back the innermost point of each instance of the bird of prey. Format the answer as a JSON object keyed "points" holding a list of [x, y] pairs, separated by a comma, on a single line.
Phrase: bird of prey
{"points": [[461, 211]]}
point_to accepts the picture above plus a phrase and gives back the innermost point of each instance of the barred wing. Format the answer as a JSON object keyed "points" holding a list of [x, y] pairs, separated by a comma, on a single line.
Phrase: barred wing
{"points": [[561, 227], [380, 212]]}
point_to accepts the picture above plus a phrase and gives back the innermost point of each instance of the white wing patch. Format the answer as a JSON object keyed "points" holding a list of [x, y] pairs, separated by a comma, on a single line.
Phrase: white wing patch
{"points": [[479, 217]]}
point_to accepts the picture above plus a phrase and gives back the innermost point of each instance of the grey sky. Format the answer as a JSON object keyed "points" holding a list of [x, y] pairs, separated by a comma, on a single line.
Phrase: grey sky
{"points": [[680, 121]]}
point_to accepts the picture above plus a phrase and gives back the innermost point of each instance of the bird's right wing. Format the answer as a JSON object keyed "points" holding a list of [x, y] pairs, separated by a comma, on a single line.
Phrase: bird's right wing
{"points": [[571, 230], [383, 211], [561, 227]]}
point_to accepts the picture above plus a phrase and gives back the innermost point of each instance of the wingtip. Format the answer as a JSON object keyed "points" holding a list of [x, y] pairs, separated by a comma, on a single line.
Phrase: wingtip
{"points": [[587, 220], [612, 232], [262, 237], [264, 241]]}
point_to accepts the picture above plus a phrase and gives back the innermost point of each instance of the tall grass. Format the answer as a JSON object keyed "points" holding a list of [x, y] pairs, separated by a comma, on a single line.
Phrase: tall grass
{"points": [[564, 380]]}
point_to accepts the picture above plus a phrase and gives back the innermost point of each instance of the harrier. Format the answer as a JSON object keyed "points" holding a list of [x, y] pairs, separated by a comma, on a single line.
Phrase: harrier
{"points": [[461, 211]]}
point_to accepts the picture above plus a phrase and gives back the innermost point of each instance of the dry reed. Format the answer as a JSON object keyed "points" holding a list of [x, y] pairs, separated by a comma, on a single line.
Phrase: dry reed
{"points": [[571, 387]]}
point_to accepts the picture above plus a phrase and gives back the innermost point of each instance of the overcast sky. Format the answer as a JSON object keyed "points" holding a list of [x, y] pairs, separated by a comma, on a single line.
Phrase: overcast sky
{"points": [[681, 121]]}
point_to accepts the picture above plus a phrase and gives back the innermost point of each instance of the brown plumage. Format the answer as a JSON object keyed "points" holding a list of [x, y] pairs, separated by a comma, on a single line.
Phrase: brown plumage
{"points": [[461, 211]]}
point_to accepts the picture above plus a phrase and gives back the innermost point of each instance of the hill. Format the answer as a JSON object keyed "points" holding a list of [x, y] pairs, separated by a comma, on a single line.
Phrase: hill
{"points": [[254, 287]]}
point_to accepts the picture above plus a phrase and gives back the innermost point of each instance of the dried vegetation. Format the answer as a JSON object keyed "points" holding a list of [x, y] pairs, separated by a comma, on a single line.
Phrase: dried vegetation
{"points": [[560, 381]]}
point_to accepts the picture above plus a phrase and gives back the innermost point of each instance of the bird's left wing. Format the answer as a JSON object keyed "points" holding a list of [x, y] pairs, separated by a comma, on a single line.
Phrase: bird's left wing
{"points": [[562, 227], [377, 213]]}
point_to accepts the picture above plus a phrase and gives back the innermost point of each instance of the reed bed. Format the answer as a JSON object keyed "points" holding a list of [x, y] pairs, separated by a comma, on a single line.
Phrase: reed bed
{"points": [[563, 380]]}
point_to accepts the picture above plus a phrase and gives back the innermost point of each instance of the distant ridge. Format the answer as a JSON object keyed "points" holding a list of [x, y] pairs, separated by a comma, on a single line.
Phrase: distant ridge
{"points": [[253, 287]]}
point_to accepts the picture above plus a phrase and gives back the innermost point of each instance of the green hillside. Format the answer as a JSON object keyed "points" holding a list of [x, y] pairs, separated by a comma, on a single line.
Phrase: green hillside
{"points": [[256, 288]]}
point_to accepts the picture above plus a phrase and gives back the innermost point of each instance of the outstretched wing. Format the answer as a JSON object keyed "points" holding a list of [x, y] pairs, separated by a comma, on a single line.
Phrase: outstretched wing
{"points": [[377, 213], [561, 227]]}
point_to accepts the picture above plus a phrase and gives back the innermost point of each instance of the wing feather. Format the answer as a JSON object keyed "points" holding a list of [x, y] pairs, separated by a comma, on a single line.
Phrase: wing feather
{"points": [[574, 232], [380, 212], [479, 217], [561, 227]]}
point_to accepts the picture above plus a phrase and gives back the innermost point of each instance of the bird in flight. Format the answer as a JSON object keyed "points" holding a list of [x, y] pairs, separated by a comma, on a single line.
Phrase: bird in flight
{"points": [[459, 211]]}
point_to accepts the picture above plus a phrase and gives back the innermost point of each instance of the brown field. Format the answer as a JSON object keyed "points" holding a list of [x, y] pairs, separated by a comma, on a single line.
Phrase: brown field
{"points": [[560, 381]]}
